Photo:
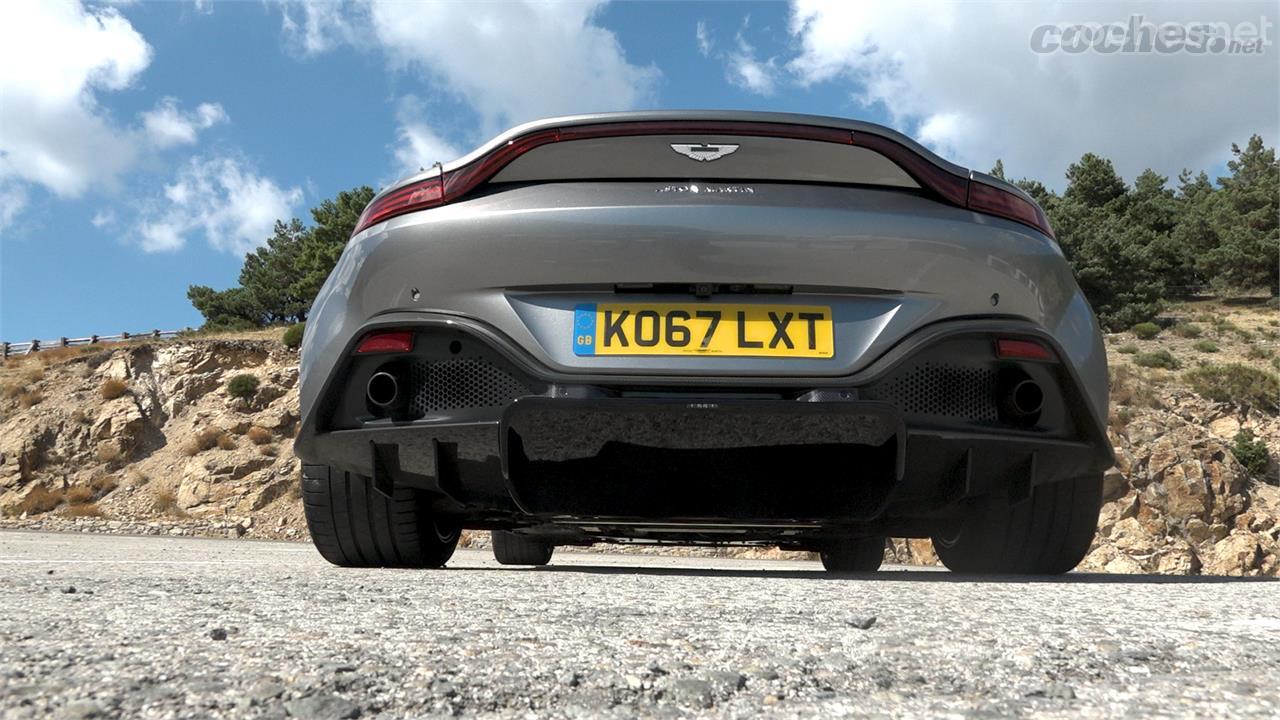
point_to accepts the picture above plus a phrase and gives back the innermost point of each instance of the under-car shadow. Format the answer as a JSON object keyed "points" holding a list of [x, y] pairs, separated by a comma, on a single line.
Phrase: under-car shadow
{"points": [[887, 575]]}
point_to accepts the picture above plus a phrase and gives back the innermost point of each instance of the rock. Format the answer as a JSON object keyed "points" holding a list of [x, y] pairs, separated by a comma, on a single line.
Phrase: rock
{"points": [[78, 709], [1225, 427], [697, 693], [1054, 691], [727, 681], [1132, 538], [69, 590], [264, 690], [1114, 485], [860, 621], [1177, 558], [1235, 555], [218, 634], [322, 707]]}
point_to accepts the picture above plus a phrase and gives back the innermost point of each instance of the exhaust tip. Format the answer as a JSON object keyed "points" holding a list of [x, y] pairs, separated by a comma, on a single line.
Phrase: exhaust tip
{"points": [[1027, 397], [383, 389], [1020, 398]]}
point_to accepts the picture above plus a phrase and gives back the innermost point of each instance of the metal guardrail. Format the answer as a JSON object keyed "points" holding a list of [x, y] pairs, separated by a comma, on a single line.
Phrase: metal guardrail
{"points": [[9, 349]]}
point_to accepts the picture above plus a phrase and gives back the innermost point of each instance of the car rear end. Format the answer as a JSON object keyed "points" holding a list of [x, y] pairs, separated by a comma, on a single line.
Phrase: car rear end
{"points": [[703, 327]]}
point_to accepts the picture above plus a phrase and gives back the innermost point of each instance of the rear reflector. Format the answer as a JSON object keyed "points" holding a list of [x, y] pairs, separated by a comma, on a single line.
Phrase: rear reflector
{"points": [[386, 342], [1022, 350]]}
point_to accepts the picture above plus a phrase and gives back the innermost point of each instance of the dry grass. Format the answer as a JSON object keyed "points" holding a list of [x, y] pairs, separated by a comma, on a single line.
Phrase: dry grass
{"points": [[259, 435], [103, 484], [83, 510], [39, 500], [12, 389], [208, 439], [33, 373], [1130, 387], [79, 495], [268, 450], [113, 388], [54, 355], [30, 399], [165, 502], [109, 454], [137, 478]]}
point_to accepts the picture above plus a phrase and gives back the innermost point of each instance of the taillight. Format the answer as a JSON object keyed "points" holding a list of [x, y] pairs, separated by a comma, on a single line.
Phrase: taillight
{"points": [[955, 189], [390, 341], [992, 200], [1010, 349], [410, 198]]}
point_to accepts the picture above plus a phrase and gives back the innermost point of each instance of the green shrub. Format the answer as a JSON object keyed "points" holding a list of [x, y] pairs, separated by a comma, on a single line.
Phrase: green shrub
{"points": [[1127, 349], [293, 336], [1238, 384], [1187, 330], [1158, 359], [1146, 330], [1274, 303], [242, 386], [1257, 352], [1250, 451], [1207, 346]]}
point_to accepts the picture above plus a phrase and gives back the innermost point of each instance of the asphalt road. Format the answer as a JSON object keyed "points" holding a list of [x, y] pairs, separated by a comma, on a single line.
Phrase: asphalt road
{"points": [[160, 627]]}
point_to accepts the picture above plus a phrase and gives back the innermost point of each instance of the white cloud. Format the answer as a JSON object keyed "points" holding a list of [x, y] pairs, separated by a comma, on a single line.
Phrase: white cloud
{"points": [[103, 218], [54, 57], [13, 198], [704, 39], [324, 25], [748, 73], [419, 146], [230, 204], [515, 62], [166, 125], [511, 62], [963, 78]]}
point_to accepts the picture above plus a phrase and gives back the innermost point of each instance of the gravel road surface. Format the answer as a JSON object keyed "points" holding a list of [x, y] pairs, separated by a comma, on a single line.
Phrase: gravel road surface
{"points": [[99, 625]]}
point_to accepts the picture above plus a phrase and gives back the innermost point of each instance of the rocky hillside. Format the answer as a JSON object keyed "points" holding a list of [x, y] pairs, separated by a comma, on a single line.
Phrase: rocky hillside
{"points": [[147, 438]]}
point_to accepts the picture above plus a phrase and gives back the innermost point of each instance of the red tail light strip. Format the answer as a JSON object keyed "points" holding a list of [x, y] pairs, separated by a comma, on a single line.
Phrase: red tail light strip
{"points": [[457, 183]]}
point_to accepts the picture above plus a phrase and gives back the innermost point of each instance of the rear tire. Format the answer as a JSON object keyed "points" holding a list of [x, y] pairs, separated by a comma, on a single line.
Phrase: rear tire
{"points": [[513, 549], [353, 525], [1047, 534], [854, 555]]}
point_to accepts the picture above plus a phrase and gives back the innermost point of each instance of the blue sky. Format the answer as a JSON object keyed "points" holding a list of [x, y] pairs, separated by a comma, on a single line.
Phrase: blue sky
{"points": [[144, 147]]}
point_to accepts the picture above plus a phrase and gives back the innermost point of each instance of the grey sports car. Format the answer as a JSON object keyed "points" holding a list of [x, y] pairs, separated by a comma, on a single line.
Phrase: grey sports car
{"points": [[704, 328]]}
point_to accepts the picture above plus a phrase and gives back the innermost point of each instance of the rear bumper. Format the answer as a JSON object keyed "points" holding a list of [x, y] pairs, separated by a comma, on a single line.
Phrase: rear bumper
{"points": [[824, 452], [823, 463]]}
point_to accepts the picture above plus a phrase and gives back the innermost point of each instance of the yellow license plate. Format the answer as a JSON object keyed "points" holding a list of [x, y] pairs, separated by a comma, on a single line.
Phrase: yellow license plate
{"points": [[721, 329]]}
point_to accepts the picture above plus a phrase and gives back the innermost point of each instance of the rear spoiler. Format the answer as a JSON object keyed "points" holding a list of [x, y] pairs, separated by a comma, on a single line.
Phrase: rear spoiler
{"points": [[949, 183]]}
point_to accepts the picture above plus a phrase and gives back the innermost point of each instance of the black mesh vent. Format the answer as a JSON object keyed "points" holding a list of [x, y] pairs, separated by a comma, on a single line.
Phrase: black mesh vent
{"points": [[460, 384], [940, 389]]}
